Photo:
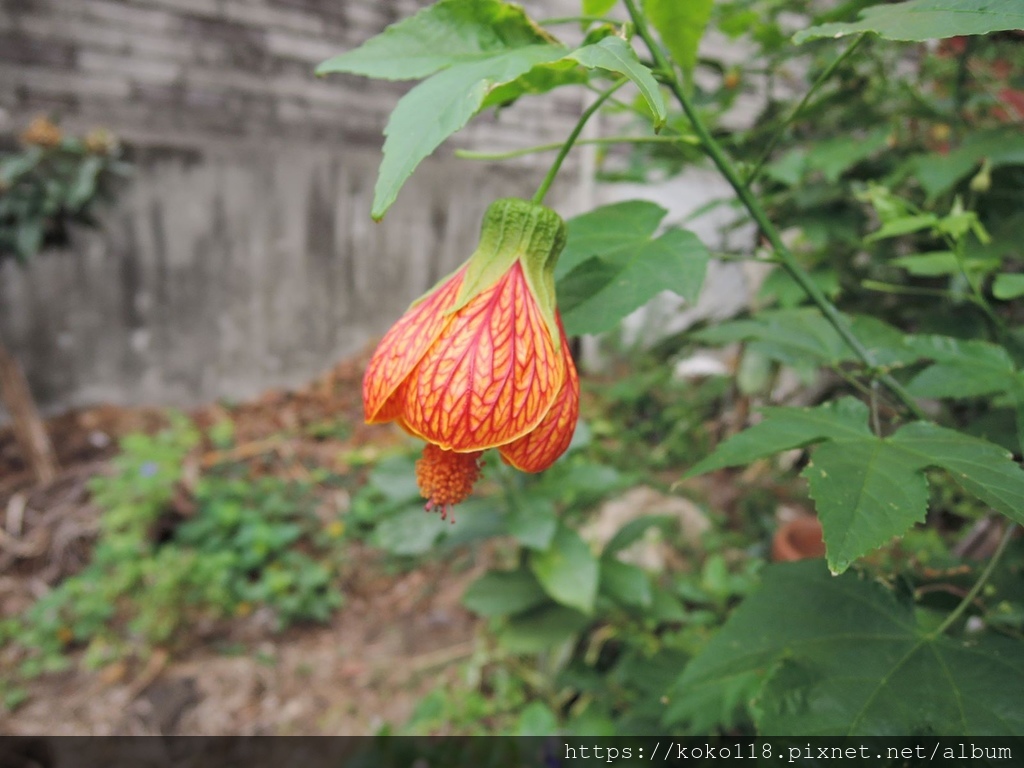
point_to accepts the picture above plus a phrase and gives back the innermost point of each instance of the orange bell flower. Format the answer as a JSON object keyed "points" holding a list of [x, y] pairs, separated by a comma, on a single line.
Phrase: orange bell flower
{"points": [[481, 361]]}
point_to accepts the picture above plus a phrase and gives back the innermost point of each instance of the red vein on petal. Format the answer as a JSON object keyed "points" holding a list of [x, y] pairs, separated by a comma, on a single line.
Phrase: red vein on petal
{"points": [[538, 449], [490, 376], [402, 348]]}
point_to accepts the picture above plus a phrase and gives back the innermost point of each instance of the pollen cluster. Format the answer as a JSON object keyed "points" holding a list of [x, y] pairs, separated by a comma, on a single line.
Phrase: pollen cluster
{"points": [[446, 477]]}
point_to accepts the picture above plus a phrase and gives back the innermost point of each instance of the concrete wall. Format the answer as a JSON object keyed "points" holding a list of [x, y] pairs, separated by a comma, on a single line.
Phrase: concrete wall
{"points": [[241, 256]]}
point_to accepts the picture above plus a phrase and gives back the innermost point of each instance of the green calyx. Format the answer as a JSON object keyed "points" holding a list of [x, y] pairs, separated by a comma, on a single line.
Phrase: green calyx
{"points": [[515, 229]]}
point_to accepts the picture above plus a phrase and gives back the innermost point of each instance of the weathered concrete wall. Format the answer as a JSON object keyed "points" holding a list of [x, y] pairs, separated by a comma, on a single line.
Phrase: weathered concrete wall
{"points": [[241, 255]]}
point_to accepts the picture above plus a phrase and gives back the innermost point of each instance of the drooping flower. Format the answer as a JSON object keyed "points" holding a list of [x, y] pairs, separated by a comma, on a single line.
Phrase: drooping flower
{"points": [[481, 361]]}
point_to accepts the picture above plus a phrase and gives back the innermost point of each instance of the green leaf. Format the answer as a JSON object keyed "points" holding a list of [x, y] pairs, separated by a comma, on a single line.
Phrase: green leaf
{"points": [[568, 570], [918, 20], [828, 655], [84, 186], [541, 79], [785, 428], [597, 7], [611, 265], [444, 34], [616, 55], [866, 491], [903, 225], [938, 173], [932, 264], [450, 98], [608, 229], [14, 166], [869, 489], [831, 158], [625, 583], [961, 368], [504, 593], [536, 719], [1008, 286], [800, 336], [534, 523], [634, 530], [412, 532], [29, 238], [541, 628], [982, 469], [680, 23]]}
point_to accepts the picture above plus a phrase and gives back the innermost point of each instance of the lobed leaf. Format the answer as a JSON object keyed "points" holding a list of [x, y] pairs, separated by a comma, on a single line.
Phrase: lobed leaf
{"points": [[919, 20], [611, 265], [445, 34], [616, 55], [826, 655], [869, 489], [440, 106]]}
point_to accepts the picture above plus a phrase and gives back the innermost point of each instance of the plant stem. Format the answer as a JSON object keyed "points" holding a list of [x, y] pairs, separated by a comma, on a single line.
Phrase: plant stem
{"points": [[821, 79], [582, 19], [468, 154], [545, 185], [978, 585], [757, 212]]}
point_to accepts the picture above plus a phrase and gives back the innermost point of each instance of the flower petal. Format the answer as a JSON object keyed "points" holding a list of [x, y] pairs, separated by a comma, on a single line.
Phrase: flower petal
{"points": [[491, 375], [537, 450], [402, 347]]}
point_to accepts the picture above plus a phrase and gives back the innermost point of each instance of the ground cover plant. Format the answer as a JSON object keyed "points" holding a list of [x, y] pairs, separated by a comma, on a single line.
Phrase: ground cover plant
{"points": [[880, 178]]}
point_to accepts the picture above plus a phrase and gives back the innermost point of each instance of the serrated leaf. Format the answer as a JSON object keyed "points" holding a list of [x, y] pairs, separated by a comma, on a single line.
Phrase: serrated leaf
{"points": [[785, 428], [504, 593], [1008, 286], [596, 296], [568, 570], [442, 35], [611, 265], [918, 20], [680, 26], [866, 491], [981, 468], [440, 106], [833, 656], [616, 55]]}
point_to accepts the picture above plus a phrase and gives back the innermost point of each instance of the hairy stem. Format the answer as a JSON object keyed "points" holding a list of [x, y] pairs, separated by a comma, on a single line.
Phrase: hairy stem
{"points": [[757, 212]]}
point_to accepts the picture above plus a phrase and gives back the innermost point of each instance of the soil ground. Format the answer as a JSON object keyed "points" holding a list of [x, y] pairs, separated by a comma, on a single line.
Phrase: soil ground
{"points": [[397, 636]]}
